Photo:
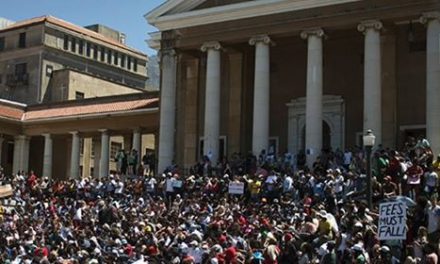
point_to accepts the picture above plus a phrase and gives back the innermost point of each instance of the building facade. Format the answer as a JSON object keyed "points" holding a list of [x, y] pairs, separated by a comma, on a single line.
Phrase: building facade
{"points": [[32, 52], [50, 138], [46, 62], [285, 75]]}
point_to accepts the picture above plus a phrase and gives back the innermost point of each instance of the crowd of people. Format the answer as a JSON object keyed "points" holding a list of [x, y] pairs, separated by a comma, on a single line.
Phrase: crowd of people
{"points": [[286, 213]]}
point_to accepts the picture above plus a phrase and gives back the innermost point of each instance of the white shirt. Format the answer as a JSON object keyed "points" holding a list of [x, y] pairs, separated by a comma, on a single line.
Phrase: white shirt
{"points": [[433, 218], [339, 183], [78, 214], [431, 179], [119, 187], [169, 185], [151, 184], [287, 184], [347, 158]]}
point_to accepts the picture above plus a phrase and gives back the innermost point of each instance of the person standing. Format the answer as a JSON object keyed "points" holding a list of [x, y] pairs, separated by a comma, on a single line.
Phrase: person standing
{"points": [[119, 158]]}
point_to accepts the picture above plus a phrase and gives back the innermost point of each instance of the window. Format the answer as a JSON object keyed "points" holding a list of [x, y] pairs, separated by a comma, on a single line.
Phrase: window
{"points": [[81, 146], [129, 63], [66, 42], [81, 47], [95, 52], [49, 70], [102, 54], [115, 61], [2, 43], [135, 65], [22, 40], [88, 49], [73, 45], [20, 69], [92, 152], [79, 95], [123, 60], [115, 147], [109, 57]]}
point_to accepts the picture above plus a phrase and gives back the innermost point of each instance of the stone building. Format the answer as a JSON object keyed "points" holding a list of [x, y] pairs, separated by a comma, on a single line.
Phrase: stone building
{"points": [[47, 59], [277, 75], [47, 63], [50, 138]]}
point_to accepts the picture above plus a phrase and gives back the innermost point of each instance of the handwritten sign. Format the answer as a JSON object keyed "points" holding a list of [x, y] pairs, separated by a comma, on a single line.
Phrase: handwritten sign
{"points": [[236, 188], [392, 221]]}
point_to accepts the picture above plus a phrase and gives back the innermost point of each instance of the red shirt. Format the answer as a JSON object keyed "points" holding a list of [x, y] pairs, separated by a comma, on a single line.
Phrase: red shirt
{"points": [[231, 255]]}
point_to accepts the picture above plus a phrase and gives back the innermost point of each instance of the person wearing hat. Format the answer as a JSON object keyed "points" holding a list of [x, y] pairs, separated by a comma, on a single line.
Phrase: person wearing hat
{"points": [[330, 256], [389, 188], [415, 173], [324, 227], [358, 255], [385, 255]]}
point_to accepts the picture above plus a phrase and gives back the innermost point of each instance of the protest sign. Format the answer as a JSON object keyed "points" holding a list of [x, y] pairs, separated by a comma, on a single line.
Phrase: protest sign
{"points": [[392, 221], [6, 190], [236, 188], [177, 184]]}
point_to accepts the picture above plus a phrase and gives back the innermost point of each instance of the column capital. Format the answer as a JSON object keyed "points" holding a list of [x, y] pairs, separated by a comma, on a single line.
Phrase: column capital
{"points": [[215, 45], [167, 52], [260, 39], [46, 135], [74, 132], [103, 130], [429, 16], [318, 32], [369, 24], [20, 137]]}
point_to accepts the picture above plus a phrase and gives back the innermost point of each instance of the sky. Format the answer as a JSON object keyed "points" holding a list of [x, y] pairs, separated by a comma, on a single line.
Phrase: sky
{"points": [[123, 15]]}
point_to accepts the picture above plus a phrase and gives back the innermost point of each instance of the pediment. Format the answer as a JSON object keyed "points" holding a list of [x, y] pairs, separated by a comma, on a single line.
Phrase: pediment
{"points": [[175, 14], [216, 3], [174, 7]]}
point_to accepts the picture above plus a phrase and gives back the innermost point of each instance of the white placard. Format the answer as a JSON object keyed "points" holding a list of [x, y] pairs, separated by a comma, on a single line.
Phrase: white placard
{"points": [[236, 188], [177, 184], [392, 221], [6, 191]]}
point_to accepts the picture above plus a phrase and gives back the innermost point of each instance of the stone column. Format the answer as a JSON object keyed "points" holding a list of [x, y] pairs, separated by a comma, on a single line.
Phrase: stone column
{"points": [[313, 131], [212, 100], [137, 144], [260, 130], [47, 156], [21, 154], [372, 78], [96, 142], [74, 156], [105, 154], [432, 21], [167, 109], [1, 149]]}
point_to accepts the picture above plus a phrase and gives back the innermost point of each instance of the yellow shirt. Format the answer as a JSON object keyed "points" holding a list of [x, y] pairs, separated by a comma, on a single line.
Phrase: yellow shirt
{"points": [[324, 228], [255, 187], [436, 165]]}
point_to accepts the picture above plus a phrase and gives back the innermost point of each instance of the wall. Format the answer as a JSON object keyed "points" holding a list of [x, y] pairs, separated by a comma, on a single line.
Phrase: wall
{"points": [[94, 87], [64, 84], [403, 85]]}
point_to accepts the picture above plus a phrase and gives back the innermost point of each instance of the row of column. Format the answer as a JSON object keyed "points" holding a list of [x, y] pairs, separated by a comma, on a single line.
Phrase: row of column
{"points": [[372, 111], [102, 156]]}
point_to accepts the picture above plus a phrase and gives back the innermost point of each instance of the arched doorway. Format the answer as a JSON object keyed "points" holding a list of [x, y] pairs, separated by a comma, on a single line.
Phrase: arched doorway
{"points": [[326, 137], [333, 115]]}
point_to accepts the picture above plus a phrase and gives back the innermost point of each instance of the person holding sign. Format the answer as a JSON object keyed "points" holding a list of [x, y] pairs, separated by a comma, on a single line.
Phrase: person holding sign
{"points": [[392, 221], [433, 211]]}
